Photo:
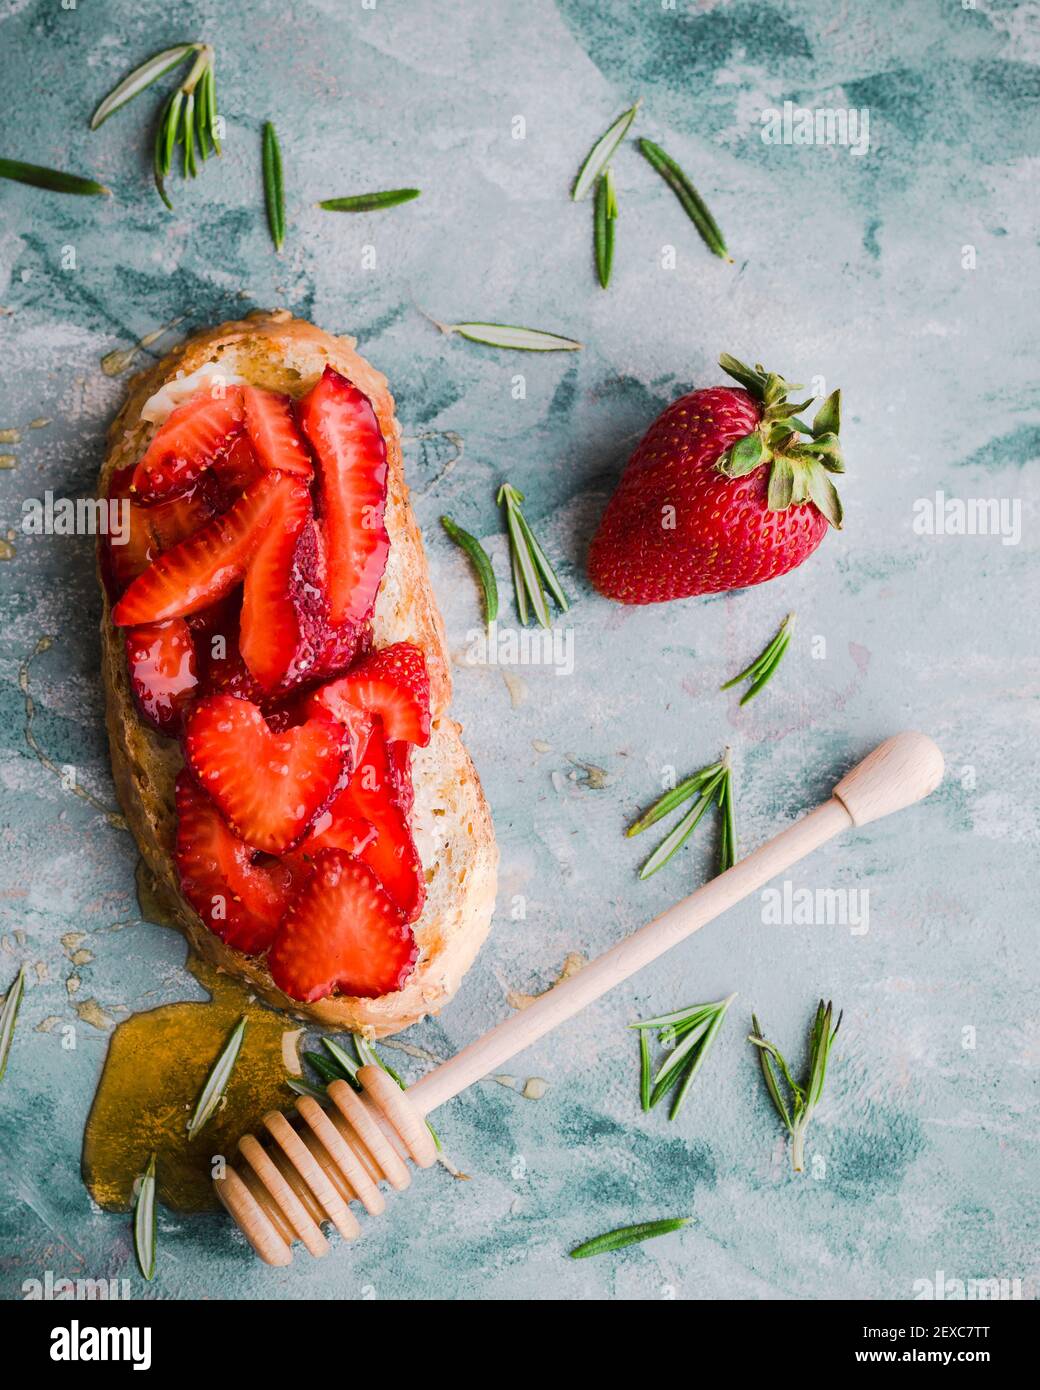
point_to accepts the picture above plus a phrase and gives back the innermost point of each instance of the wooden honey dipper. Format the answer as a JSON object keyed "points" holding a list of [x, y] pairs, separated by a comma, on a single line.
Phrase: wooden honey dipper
{"points": [[312, 1166]]}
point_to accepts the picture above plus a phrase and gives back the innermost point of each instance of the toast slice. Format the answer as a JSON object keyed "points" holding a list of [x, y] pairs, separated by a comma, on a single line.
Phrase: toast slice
{"points": [[451, 823]]}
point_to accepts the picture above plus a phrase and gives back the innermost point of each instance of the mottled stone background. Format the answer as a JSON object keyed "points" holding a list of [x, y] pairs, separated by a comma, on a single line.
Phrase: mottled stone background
{"points": [[851, 268]]}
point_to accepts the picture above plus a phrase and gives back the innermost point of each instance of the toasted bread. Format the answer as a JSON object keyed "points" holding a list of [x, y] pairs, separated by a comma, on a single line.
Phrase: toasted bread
{"points": [[451, 823]]}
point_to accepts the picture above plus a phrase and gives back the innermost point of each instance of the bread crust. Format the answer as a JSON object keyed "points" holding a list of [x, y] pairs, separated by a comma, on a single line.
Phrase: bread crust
{"points": [[451, 822]]}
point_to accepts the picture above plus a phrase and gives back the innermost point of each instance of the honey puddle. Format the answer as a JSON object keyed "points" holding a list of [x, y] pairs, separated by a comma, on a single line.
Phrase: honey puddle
{"points": [[157, 1065]]}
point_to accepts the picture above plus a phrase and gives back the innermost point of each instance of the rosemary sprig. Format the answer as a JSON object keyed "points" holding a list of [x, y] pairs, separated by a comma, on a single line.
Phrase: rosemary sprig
{"points": [[54, 180], [189, 118], [763, 668], [274, 191], [602, 152], [689, 1033], [9, 1016], [340, 1066], [713, 784], [628, 1235], [144, 1221], [606, 212], [150, 71], [692, 203], [481, 563], [531, 567], [217, 1081], [508, 335], [803, 1099], [371, 202]]}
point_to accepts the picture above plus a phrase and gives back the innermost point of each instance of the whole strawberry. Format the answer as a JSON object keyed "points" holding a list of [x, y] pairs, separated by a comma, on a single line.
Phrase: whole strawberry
{"points": [[727, 488]]}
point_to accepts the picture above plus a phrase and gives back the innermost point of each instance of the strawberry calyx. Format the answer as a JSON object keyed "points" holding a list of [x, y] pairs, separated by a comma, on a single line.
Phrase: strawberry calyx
{"points": [[801, 457]]}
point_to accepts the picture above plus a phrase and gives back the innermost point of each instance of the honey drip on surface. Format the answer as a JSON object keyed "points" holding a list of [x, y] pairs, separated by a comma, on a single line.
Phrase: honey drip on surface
{"points": [[156, 1067]]}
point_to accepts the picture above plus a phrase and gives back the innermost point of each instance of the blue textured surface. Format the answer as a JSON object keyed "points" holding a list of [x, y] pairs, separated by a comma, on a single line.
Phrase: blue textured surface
{"points": [[852, 267]]}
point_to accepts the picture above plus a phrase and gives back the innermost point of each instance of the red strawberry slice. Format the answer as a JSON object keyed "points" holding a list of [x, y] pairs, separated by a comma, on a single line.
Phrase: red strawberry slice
{"points": [[221, 668], [343, 430], [268, 786], [235, 469], [325, 648], [161, 661], [391, 682], [270, 634], [342, 933], [203, 568], [372, 795], [149, 531], [240, 900], [272, 430], [400, 755], [187, 442]]}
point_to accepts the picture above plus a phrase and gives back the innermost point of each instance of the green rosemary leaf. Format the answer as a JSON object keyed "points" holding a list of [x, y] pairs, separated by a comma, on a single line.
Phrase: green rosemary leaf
{"points": [[324, 1066], [216, 1083], [668, 1071], [692, 203], [144, 1221], [172, 129], [601, 153], [728, 854], [211, 105], [764, 665], [540, 558], [304, 1088], [202, 117], [644, 1069], [9, 1017], [803, 1100], [519, 588], [673, 798], [371, 202], [188, 134], [698, 1058], [605, 216], [274, 192], [343, 1060], [481, 563], [529, 562], [628, 1235], [507, 335], [141, 78], [54, 180], [682, 832], [674, 1021]]}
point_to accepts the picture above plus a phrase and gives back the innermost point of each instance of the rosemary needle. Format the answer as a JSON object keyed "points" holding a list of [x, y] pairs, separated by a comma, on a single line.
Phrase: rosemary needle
{"points": [[274, 191], [691, 201], [628, 1235], [481, 563], [144, 1221], [217, 1081], [762, 670]]}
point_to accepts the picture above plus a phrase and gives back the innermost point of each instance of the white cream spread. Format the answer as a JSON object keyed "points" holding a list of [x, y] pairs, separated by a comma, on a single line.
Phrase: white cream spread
{"points": [[212, 374]]}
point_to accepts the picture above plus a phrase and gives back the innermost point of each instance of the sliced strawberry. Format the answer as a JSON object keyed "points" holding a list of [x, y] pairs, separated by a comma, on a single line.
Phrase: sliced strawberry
{"points": [[240, 900], [203, 568], [270, 633], [235, 469], [161, 661], [187, 442], [150, 530], [221, 668], [351, 454], [325, 647], [342, 933], [268, 786], [391, 682], [400, 755], [271, 426], [372, 796]]}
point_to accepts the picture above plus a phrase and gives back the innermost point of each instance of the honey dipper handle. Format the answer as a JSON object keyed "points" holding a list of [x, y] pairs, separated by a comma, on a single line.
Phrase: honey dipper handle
{"points": [[899, 772]]}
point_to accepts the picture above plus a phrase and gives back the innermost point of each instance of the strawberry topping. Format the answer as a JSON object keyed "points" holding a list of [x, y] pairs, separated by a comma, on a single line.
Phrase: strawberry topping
{"points": [[161, 660], [391, 682], [269, 633], [205, 566], [268, 786], [342, 932], [272, 430], [343, 430], [187, 442], [240, 900]]}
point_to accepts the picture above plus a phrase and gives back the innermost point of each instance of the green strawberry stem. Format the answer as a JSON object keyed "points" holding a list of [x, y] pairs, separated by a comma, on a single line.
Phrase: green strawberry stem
{"points": [[800, 457]]}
